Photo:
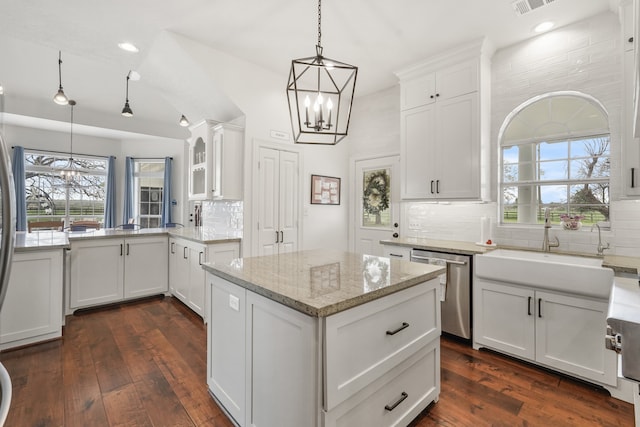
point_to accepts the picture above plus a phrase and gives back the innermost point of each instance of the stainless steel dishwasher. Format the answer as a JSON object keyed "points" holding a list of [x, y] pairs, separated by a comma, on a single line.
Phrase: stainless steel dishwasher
{"points": [[456, 306]]}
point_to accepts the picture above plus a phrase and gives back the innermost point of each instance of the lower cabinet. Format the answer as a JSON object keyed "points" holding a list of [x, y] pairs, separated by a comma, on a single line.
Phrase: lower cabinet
{"points": [[32, 309], [563, 332], [186, 276], [270, 365], [106, 270]]}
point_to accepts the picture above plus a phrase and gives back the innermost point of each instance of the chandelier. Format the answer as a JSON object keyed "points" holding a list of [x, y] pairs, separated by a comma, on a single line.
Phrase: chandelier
{"points": [[70, 170], [320, 94]]}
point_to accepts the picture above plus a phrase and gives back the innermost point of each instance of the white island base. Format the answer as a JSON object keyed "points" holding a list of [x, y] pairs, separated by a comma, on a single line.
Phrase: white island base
{"points": [[373, 364]]}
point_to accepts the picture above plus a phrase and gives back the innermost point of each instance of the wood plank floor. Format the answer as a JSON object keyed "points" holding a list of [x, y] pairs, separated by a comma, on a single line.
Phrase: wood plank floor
{"points": [[144, 364]]}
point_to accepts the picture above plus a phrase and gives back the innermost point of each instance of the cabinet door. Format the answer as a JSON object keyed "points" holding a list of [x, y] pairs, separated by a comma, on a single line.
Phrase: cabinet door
{"points": [[457, 148], [182, 272], [569, 333], [226, 364], [32, 310], [197, 256], [504, 318], [97, 272], [456, 80], [200, 163], [283, 365], [146, 271], [418, 92], [174, 266], [228, 173], [417, 155]]}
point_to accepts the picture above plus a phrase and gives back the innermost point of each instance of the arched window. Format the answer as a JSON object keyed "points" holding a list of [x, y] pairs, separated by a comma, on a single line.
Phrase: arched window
{"points": [[555, 153]]}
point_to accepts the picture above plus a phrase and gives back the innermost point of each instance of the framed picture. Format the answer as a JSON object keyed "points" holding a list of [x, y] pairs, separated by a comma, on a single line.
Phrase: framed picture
{"points": [[325, 190]]}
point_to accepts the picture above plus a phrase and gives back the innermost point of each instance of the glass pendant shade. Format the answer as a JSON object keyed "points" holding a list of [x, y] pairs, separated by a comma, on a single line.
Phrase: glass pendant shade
{"points": [[184, 122]]}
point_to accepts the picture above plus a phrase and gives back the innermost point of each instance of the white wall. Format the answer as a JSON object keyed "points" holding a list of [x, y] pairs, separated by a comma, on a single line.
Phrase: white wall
{"points": [[260, 95], [585, 56]]}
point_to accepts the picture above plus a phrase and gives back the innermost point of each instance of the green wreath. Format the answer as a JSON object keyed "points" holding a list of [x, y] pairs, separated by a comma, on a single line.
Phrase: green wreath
{"points": [[376, 192]]}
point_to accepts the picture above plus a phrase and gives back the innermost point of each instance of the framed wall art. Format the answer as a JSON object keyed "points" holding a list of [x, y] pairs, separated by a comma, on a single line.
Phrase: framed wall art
{"points": [[325, 190]]}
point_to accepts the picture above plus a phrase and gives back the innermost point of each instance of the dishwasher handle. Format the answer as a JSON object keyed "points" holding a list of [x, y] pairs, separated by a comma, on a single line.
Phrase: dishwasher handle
{"points": [[448, 261]]}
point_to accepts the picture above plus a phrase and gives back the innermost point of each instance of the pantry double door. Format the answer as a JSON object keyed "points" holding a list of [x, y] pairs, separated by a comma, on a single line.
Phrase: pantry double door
{"points": [[278, 201]]}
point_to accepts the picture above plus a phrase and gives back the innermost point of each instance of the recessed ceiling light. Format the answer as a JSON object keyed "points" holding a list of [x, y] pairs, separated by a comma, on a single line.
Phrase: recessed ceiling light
{"points": [[129, 47], [544, 26]]}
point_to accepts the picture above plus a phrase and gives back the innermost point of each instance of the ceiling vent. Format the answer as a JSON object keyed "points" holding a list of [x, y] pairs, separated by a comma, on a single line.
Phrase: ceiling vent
{"points": [[522, 7]]}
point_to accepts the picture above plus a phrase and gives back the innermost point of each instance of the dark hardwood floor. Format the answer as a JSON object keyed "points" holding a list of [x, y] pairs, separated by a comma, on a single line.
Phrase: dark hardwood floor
{"points": [[144, 364]]}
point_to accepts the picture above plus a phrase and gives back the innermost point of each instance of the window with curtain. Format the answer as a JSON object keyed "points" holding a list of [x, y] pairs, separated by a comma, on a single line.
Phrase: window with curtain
{"points": [[555, 153], [49, 196], [149, 192]]}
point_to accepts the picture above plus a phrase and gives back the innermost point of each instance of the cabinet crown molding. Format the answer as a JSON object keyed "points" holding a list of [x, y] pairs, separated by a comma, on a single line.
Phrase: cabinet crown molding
{"points": [[479, 48]]}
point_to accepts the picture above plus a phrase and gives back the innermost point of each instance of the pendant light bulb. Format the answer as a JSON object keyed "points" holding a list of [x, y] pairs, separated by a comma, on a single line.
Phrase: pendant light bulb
{"points": [[60, 98], [184, 122]]}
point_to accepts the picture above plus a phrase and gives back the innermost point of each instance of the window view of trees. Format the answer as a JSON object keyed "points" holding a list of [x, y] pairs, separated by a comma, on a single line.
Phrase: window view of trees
{"points": [[571, 177], [50, 196]]}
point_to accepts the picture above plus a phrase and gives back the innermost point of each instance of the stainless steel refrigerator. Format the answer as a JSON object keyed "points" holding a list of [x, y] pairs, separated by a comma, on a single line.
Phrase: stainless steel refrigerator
{"points": [[8, 224]]}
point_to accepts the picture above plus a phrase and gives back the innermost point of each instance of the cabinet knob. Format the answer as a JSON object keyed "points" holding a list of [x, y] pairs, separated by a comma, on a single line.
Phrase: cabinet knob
{"points": [[395, 235], [431, 96], [437, 94], [630, 40]]}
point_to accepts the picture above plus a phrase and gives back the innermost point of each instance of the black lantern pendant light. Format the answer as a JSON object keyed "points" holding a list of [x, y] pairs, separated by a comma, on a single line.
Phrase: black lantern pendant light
{"points": [[320, 94], [126, 111], [60, 98]]}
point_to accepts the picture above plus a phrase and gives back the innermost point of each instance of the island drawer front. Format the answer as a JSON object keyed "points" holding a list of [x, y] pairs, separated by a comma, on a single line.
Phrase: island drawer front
{"points": [[396, 398], [365, 342]]}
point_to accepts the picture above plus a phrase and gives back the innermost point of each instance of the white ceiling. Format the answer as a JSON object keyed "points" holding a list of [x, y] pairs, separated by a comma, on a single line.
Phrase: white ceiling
{"points": [[380, 37]]}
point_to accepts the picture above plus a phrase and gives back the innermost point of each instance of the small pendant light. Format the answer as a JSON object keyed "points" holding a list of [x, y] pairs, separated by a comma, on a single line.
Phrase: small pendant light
{"points": [[184, 122], [60, 98], [126, 111]]}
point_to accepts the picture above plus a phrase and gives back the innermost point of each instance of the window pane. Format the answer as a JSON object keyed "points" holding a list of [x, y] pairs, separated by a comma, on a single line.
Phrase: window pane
{"points": [[553, 170], [510, 155], [598, 147], [553, 194], [553, 150]]}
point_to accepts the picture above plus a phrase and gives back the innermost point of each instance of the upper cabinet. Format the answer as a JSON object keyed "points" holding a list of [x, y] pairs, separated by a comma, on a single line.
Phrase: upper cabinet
{"points": [[630, 16], [444, 129], [216, 161]]}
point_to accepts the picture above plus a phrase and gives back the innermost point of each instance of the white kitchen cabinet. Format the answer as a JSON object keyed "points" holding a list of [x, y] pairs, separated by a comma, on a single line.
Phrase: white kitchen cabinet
{"points": [[630, 111], [248, 372], [278, 179], [563, 332], [216, 161], [443, 134], [106, 270], [270, 365], [186, 277], [32, 309], [398, 252]]}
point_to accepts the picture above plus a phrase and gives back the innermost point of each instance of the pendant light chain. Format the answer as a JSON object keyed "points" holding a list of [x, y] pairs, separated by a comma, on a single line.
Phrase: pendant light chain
{"points": [[60, 68], [319, 23]]}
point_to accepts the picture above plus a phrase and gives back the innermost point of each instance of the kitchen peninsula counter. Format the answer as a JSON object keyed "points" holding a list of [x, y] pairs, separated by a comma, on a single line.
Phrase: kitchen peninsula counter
{"points": [[323, 282], [449, 246], [323, 338]]}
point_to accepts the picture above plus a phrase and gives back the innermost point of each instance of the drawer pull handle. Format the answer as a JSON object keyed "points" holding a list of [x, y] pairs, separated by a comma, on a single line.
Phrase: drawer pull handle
{"points": [[396, 255], [393, 405], [405, 325]]}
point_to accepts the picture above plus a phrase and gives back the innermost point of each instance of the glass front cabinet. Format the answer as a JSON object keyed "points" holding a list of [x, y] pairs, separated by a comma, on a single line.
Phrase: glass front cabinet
{"points": [[216, 159]]}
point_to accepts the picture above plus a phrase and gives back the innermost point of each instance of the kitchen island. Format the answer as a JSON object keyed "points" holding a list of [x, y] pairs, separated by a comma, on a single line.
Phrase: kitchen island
{"points": [[323, 338]]}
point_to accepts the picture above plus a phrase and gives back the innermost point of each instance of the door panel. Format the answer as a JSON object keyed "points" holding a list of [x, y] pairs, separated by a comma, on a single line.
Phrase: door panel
{"points": [[269, 176], [288, 201], [376, 205]]}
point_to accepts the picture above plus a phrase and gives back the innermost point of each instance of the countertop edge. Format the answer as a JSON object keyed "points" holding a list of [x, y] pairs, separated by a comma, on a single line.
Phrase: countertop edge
{"points": [[327, 310], [453, 246]]}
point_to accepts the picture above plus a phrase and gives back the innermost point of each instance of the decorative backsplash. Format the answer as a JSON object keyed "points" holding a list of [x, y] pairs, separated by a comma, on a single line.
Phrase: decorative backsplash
{"points": [[223, 216]]}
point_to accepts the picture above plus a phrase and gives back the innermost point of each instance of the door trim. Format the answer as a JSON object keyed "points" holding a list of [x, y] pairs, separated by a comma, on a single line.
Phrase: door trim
{"points": [[352, 192]]}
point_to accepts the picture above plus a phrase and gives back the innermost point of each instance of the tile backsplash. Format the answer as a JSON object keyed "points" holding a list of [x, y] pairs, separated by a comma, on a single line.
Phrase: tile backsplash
{"points": [[223, 216], [461, 222]]}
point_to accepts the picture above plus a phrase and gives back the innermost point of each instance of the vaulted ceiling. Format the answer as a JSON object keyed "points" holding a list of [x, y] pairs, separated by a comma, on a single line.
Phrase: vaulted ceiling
{"points": [[378, 36]]}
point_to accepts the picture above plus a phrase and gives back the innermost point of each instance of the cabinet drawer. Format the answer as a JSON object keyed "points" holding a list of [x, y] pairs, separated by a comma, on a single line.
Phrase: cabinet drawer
{"points": [[397, 252], [397, 397], [363, 343]]}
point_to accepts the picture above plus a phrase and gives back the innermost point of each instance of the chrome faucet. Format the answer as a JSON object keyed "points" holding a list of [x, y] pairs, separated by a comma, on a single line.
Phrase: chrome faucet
{"points": [[601, 247], [546, 245]]}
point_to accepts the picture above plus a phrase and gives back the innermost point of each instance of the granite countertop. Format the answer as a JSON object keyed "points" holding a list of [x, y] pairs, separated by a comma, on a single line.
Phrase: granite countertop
{"points": [[40, 240], [450, 246], [622, 264], [323, 282], [47, 239]]}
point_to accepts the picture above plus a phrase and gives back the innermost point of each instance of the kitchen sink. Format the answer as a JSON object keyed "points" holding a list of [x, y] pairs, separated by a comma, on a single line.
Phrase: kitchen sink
{"points": [[566, 273]]}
